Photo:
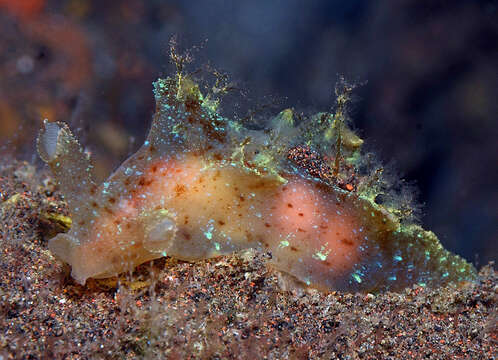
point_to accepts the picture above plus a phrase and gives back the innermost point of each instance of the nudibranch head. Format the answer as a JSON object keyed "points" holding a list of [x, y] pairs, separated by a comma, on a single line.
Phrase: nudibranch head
{"points": [[203, 186]]}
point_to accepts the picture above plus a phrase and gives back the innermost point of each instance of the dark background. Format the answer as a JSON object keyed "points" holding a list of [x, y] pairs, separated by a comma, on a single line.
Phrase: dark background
{"points": [[430, 104]]}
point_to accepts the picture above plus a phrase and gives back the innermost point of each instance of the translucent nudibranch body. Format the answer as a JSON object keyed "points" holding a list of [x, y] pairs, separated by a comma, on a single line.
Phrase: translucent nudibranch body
{"points": [[203, 186]]}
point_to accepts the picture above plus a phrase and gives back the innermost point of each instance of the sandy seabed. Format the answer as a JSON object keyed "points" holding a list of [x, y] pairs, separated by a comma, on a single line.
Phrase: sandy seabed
{"points": [[231, 307]]}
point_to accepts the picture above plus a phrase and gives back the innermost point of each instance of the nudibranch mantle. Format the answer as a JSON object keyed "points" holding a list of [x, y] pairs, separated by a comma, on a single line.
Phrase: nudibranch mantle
{"points": [[203, 186]]}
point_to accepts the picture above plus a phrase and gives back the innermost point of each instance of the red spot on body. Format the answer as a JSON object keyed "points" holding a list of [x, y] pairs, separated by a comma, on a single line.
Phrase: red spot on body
{"points": [[347, 242], [180, 189]]}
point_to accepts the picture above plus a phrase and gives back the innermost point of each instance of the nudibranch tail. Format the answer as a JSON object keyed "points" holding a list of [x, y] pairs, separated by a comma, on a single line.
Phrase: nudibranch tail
{"points": [[203, 186]]}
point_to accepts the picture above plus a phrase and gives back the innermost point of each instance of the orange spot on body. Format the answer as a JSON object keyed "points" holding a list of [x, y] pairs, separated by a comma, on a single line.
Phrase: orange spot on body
{"points": [[319, 224]]}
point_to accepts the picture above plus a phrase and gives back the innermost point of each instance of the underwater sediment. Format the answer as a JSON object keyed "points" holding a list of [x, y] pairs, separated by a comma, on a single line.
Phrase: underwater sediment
{"points": [[228, 307]]}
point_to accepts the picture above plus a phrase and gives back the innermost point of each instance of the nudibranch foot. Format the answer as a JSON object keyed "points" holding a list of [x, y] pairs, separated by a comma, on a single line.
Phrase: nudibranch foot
{"points": [[203, 186]]}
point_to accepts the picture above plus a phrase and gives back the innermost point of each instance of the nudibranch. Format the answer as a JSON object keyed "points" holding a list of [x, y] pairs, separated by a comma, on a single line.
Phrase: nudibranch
{"points": [[203, 186]]}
